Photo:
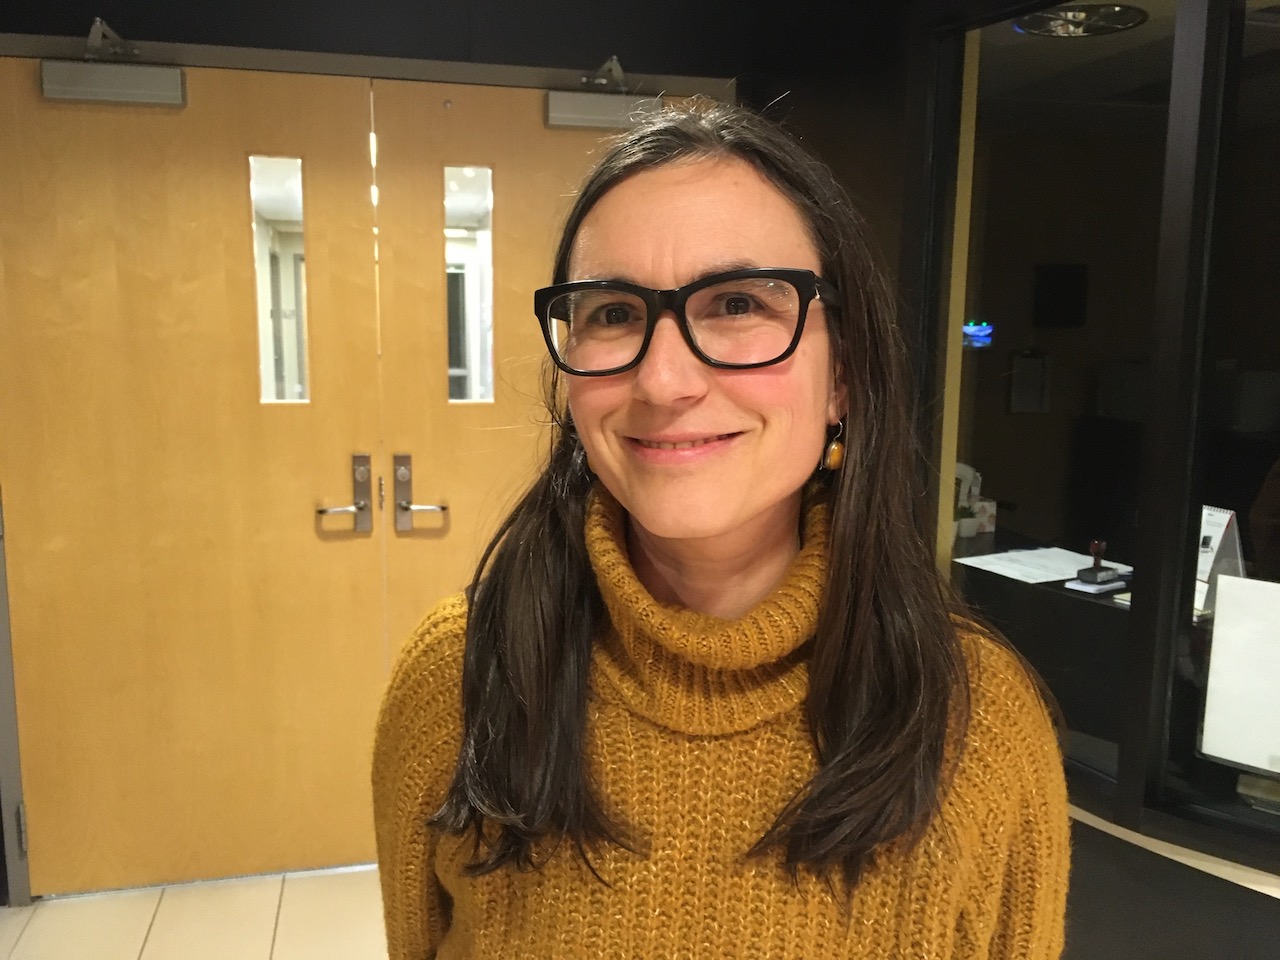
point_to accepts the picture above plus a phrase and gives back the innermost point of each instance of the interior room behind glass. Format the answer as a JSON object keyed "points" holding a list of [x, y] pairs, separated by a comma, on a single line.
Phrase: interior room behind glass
{"points": [[1059, 308], [1068, 169], [1058, 369]]}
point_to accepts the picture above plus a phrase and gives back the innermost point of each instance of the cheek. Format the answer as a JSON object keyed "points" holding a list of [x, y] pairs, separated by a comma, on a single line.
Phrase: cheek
{"points": [[804, 394], [793, 408], [590, 400]]}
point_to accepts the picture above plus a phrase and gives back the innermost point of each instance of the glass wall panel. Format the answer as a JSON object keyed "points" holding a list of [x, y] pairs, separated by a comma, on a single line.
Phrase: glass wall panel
{"points": [[1224, 714], [1060, 297]]}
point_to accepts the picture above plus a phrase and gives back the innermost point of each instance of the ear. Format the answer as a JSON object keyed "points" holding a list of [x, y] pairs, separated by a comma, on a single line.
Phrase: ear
{"points": [[838, 402]]}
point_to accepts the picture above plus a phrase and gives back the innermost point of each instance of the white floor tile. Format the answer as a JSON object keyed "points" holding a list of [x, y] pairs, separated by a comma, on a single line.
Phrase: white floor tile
{"points": [[1245, 876], [331, 916], [108, 926], [227, 920], [13, 920]]}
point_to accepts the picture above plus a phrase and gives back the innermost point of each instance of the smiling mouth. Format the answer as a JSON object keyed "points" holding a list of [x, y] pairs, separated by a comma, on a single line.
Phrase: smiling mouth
{"points": [[684, 444]]}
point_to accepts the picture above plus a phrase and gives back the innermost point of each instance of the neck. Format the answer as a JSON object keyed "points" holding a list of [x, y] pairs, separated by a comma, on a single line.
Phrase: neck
{"points": [[723, 576]]}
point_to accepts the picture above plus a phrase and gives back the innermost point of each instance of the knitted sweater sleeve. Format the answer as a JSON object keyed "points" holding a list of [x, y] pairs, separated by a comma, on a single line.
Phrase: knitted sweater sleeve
{"points": [[415, 747], [1032, 909]]}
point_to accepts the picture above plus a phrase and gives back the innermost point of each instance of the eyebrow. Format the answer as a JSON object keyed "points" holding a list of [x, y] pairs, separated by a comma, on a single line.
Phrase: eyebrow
{"points": [[725, 266]]}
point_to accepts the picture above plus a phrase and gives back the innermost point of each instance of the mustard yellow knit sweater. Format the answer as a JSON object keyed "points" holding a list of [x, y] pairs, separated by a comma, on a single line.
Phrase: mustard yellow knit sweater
{"points": [[696, 740]]}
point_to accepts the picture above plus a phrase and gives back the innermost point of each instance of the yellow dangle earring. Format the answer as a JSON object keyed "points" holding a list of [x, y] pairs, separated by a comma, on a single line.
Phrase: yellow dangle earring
{"points": [[833, 455]]}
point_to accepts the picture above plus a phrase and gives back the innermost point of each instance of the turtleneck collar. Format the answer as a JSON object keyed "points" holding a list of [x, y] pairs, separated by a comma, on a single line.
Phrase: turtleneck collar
{"points": [[696, 673]]}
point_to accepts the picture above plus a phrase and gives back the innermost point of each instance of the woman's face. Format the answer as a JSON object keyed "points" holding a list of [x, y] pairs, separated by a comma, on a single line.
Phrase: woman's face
{"points": [[746, 441]]}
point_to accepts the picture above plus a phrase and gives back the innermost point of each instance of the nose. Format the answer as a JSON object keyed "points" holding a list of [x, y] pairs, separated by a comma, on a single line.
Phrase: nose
{"points": [[670, 372]]}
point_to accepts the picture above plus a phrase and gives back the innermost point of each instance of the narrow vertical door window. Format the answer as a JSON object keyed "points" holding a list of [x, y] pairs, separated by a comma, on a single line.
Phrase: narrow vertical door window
{"points": [[275, 188], [468, 246]]}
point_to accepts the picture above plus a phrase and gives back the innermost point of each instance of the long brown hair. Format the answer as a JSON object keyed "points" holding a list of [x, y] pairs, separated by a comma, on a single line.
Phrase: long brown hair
{"points": [[887, 680]]}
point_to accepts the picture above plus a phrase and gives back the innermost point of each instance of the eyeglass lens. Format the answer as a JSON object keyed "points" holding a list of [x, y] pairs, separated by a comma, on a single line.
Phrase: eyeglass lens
{"points": [[744, 321]]}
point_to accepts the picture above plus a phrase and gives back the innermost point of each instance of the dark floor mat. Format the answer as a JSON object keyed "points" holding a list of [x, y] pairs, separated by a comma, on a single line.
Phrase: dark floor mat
{"points": [[1127, 903]]}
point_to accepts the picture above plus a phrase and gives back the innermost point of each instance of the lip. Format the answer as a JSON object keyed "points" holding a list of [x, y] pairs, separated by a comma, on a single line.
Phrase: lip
{"points": [[679, 448]]}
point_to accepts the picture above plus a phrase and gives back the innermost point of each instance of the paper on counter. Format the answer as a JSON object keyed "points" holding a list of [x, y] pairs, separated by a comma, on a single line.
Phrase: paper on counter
{"points": [[1037, 566]]}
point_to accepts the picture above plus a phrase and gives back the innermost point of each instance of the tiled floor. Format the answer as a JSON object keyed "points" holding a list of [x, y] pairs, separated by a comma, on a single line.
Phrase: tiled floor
{"points": [[330, 915]]}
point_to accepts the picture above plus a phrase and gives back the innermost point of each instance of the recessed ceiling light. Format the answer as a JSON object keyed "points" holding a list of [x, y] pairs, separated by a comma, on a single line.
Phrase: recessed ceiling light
{"points": [[1081, 20]]}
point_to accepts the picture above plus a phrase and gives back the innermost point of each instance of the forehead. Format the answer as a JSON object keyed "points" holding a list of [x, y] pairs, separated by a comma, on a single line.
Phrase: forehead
{"points": [[670, 224]]}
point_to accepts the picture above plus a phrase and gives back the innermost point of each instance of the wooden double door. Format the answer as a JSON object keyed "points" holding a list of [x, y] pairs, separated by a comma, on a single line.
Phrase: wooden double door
{"points": [[198, 656]]}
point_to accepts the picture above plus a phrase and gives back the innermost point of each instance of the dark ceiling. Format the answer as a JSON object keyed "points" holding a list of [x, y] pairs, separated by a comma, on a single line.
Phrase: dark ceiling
{"points": [[726, 38]]}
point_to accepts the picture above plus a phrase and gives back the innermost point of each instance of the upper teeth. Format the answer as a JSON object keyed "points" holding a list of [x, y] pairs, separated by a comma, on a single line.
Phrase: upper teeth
{"points": [[683, 445]]}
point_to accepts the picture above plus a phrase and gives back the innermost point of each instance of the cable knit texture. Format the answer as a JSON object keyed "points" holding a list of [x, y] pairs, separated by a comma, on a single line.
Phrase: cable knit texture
{"points": [[696, 740]]}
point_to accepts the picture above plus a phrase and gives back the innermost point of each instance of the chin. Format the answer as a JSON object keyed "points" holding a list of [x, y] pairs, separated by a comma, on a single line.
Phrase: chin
{"points": [[673, 517], [673, 528], [699, 517]]}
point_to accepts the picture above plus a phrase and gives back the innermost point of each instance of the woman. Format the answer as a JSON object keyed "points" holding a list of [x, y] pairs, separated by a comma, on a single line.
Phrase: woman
{"points": [[705, 696]]}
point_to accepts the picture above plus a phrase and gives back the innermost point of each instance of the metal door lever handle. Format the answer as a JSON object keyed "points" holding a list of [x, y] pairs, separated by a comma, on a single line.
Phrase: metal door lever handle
{"points": [[361, 496], [422, 507], [402, 465], [353, 508]]}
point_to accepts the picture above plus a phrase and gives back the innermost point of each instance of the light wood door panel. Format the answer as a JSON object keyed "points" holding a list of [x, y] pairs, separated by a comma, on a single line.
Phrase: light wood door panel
{"points": [[477, 457], [197, 662]]}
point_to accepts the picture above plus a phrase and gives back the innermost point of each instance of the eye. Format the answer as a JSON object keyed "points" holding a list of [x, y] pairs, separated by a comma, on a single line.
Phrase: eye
{"points": [[733, 303], [611, 315], [614, 314]]}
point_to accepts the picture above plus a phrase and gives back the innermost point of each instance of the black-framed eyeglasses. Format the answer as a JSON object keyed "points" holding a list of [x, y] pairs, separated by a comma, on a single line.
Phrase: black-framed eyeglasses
{"points": [[737, 320]]}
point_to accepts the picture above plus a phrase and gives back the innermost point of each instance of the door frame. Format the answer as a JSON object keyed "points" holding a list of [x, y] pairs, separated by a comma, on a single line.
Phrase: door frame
{"points": [[17, 877]]}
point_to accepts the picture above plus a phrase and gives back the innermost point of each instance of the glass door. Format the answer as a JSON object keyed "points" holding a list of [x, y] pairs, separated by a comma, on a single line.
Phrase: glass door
{"points": [[1223, 737], [1052, 334]]}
